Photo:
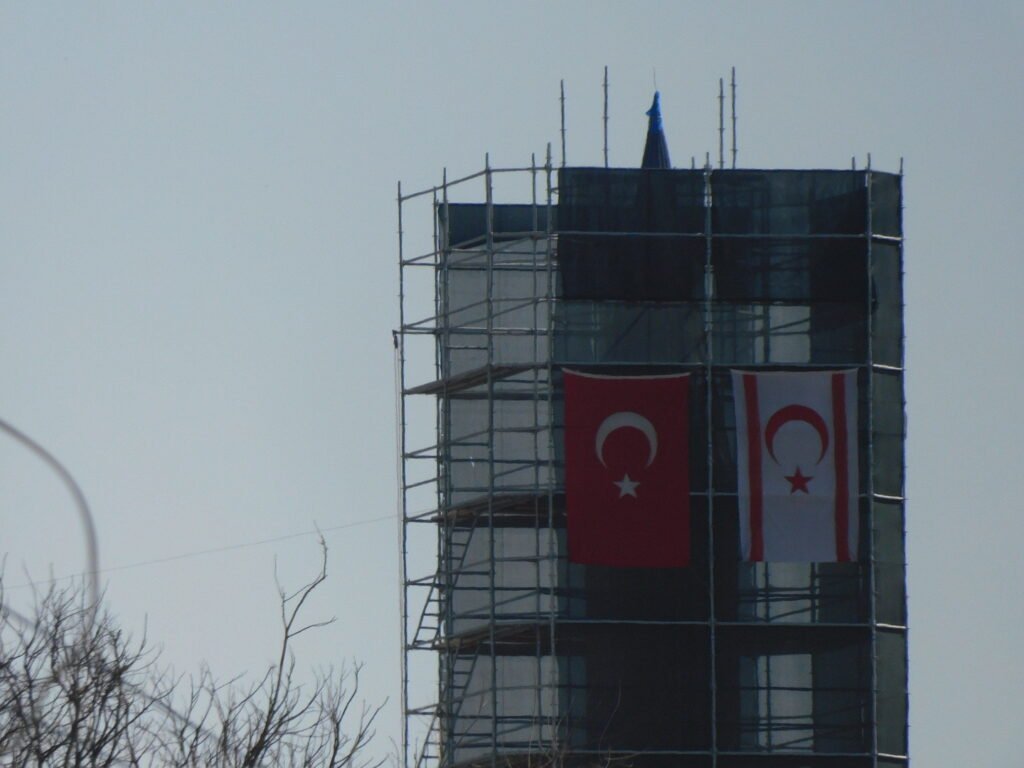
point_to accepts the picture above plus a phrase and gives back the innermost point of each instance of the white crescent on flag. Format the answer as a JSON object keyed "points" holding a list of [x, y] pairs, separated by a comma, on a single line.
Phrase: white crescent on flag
{"points": [[621, 420], [796, 442]]}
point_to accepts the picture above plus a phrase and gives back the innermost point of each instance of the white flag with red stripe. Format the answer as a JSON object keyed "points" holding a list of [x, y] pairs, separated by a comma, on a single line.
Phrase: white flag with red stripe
{"points": [[796, 442]]}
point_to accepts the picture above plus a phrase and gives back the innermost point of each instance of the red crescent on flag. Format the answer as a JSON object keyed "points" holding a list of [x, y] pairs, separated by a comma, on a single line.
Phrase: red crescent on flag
{"points": [[795, 413]]}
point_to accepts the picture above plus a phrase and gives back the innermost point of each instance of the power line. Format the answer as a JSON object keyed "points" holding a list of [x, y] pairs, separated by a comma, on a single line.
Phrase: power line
{"points": [[215, 550]]}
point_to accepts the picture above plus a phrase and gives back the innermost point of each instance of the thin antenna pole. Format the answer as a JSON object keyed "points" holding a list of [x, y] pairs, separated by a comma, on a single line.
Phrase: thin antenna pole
{"points": [[606, 116], [562, 100], [721, 123], [733, 86]]}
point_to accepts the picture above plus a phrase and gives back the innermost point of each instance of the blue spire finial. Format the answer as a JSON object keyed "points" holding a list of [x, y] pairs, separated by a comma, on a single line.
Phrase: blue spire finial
{"points": [[655, 111], [656, 148]]}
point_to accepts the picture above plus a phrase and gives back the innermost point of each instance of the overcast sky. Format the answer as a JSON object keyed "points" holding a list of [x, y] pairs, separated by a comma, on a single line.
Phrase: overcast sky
{"points": [[198, 281]]}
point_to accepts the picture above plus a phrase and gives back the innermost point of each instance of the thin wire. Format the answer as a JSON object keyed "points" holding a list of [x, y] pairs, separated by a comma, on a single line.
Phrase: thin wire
{"points": [[215, 550]]}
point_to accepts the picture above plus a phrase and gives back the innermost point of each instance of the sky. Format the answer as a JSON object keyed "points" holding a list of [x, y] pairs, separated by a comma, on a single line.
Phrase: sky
{"points": [[198, 284]]}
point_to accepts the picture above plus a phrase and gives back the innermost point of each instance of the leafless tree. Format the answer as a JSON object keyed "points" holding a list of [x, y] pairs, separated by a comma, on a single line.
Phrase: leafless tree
{"points": [[77, 691]]}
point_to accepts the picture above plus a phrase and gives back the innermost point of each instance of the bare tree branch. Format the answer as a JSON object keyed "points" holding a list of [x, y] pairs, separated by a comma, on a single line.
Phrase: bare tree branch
{"points": [[77, 691]]}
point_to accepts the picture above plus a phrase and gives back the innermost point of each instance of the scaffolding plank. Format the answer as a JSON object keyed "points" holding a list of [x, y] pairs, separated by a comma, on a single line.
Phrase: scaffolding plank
{"points": [[469, 379]]}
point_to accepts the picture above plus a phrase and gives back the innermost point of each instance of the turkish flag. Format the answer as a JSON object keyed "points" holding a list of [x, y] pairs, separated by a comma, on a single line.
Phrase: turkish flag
{"points": [[627, 481], [796, 441]]}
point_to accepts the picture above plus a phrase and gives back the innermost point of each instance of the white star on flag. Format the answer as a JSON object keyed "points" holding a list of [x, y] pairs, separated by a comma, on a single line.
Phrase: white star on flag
{"points": [[627, 487]]}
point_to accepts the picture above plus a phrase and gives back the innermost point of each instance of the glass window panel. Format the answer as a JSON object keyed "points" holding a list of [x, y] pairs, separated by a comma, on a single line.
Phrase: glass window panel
{"points": [[647, 687], [467, 222], [788, 202], [619, 332], [467, 351], [890, 597], [633, 268], [624, 689], [520, 692], [889, 532], [795, 593], [523, 574], [890, 571], [778, 702], [793, 690], [514, 301], [820, 333], [751, 269], [630, 200], [887, 304], [519, 440], [887, 432], [885, 204], [463, 355], [891, 706]]}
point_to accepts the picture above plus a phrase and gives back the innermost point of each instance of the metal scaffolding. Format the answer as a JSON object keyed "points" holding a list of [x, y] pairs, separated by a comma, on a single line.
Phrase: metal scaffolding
{"points": [[512, 655], [490, 476]]}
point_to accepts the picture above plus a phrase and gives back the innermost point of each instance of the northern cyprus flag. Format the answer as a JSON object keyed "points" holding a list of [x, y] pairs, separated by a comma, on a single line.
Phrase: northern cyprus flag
{"points": [[796, 442]]}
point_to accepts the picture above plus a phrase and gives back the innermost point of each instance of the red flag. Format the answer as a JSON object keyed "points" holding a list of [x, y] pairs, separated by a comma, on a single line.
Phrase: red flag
{"points": [[627, 478], [796, 437]]}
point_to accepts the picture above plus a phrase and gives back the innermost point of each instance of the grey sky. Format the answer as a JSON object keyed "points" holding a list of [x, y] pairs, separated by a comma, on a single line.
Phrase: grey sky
{"points": [[198, 279]]}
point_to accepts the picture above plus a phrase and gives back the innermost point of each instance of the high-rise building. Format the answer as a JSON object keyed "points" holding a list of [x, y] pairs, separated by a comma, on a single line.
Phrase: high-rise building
{"points": [[652, 440]]}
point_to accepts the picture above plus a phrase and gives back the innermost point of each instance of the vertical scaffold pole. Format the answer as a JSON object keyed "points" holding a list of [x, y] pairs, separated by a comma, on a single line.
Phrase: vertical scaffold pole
{"points": [[870, 368], [606, 116], [903, 462], [562, 102], [709, 290], [446, 577], [400, 386], [733, 114], [549, 295], [538, 561], [721, 123], [492, 550]]}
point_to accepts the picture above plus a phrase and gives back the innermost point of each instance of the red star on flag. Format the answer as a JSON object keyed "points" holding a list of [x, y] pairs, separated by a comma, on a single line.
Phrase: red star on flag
{"points": [[798, 482]]}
